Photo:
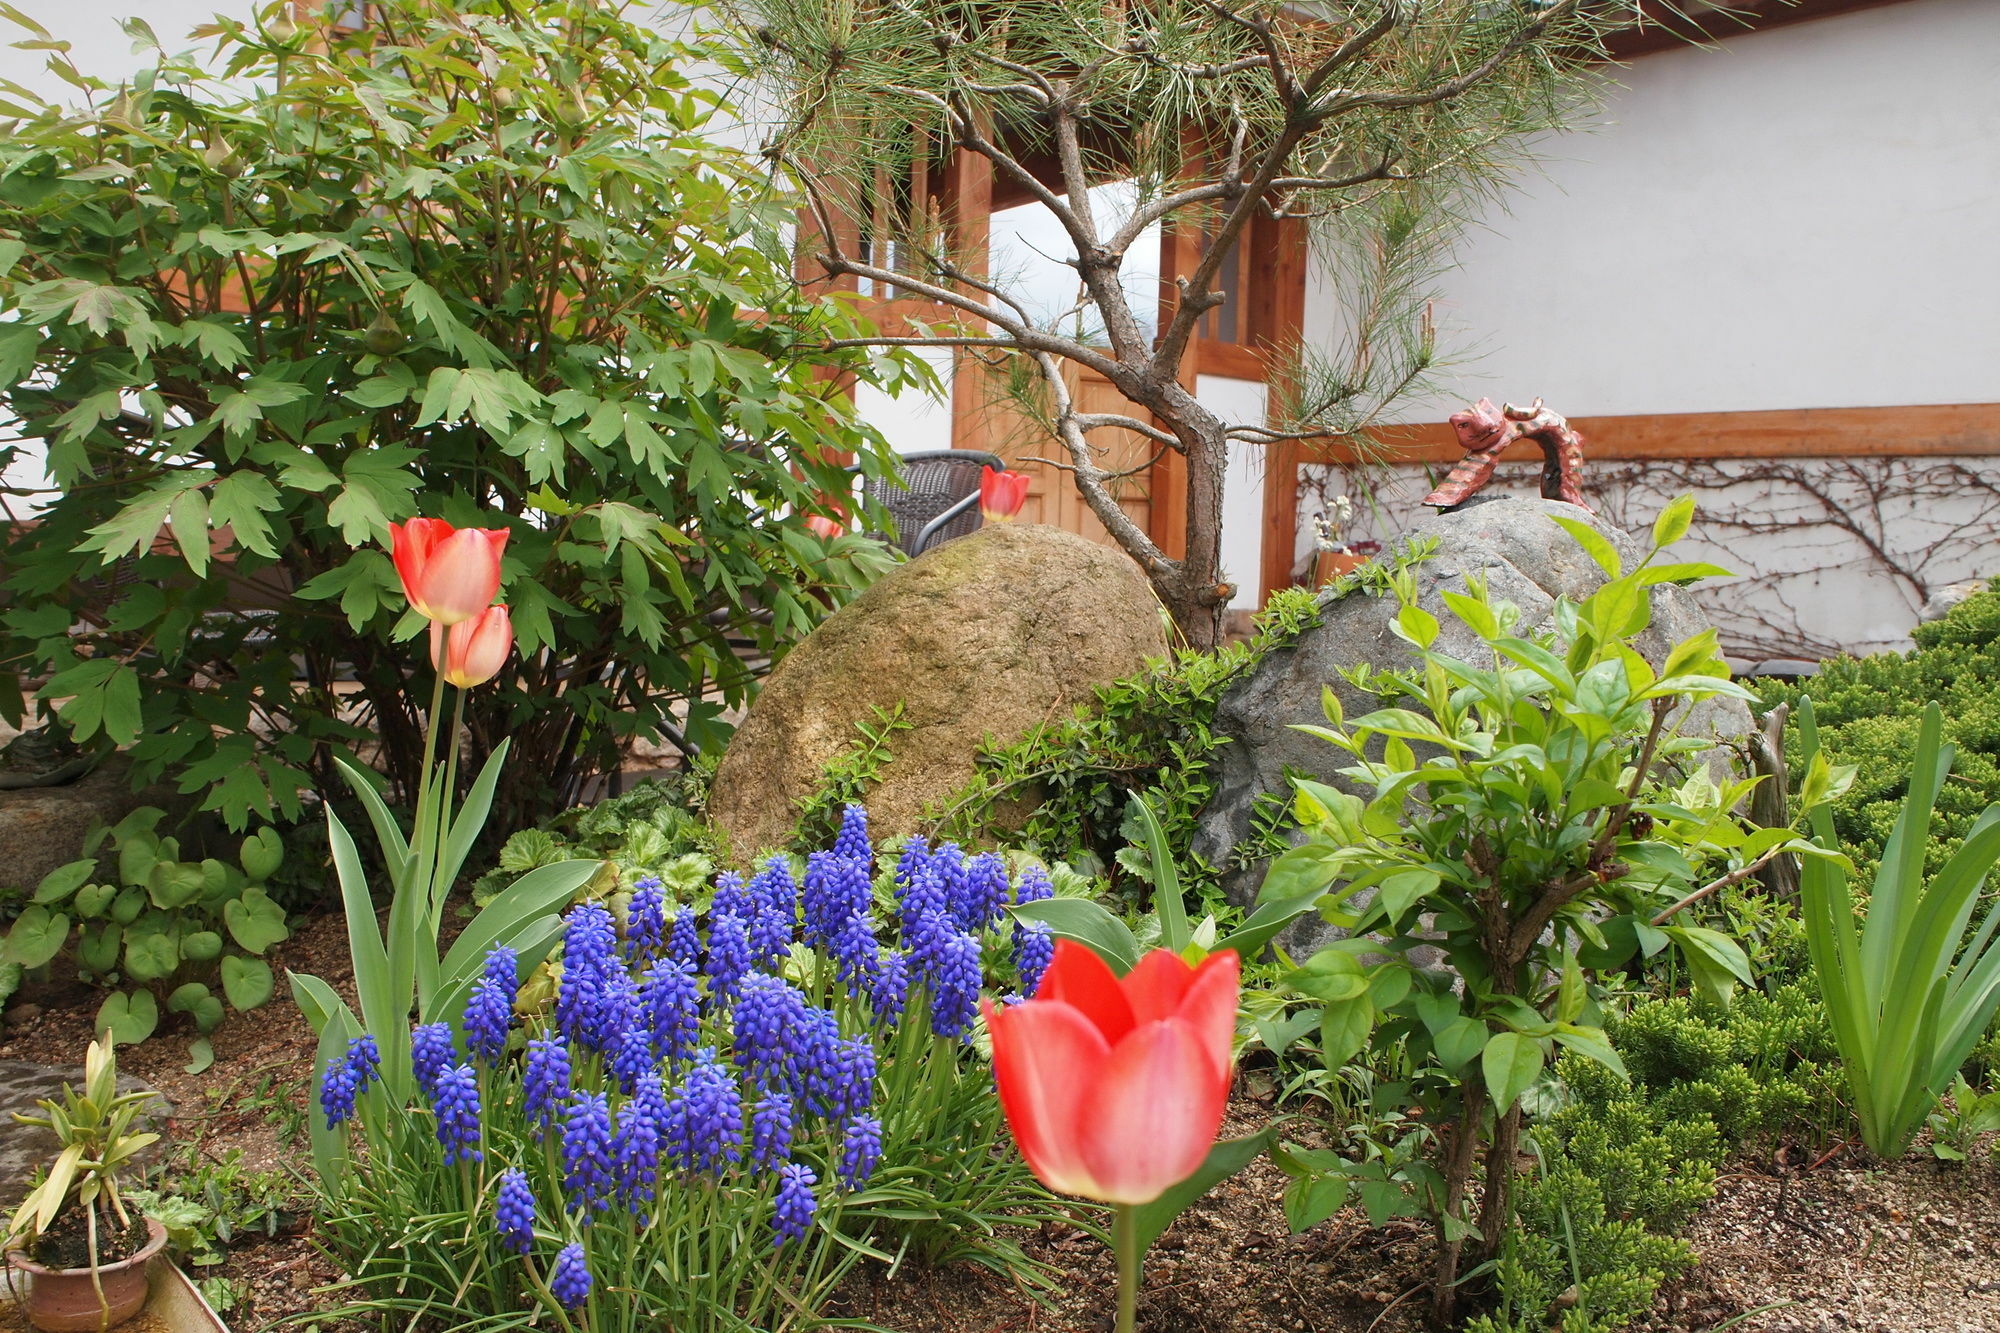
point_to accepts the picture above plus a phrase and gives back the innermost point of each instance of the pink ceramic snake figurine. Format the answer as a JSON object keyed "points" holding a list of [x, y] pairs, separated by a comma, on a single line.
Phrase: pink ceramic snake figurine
{"points": [[1484, 432]]}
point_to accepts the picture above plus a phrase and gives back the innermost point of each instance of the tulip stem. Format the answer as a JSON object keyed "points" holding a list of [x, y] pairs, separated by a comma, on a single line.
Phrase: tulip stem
{"points": [[1125, 1243]]}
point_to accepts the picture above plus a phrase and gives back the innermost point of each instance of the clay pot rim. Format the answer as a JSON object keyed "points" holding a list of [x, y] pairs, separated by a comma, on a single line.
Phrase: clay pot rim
{"points": [[156, 1240]]}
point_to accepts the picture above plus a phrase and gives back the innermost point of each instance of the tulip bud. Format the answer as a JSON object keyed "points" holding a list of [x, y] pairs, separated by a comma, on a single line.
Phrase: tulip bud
{"points": [[472, 651], [1001, 495]]}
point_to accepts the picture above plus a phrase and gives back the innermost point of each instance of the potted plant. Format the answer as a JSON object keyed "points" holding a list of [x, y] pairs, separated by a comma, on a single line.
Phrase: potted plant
{"points": [[84, 1256], [1332, 556]]}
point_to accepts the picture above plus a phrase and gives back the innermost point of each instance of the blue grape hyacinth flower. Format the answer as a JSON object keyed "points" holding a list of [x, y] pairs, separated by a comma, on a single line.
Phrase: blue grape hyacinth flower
{"points": [[514, 1211], [431, 1053], [889, 991], [795, 1205], [852, 840], [489, 1014], [704, 1126], [545, 1084], [670, 1006], [645, 921], [586, 1153], [456, 1102], [569, 1280], [860, 1150], [770, 1130]]}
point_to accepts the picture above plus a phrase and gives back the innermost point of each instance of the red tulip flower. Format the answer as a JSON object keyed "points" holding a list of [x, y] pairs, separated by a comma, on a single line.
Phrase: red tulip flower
{"points": [[1115, 1087], [449, 574], [472, 651], [823, 527], [1001, 495]]}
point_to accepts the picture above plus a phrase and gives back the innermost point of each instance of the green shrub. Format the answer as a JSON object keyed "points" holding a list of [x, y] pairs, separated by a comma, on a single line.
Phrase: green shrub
{"points": [[1592, 1239], [654, 829], [483, 259], [163, 932], [1869, 710], [1150, 734]]}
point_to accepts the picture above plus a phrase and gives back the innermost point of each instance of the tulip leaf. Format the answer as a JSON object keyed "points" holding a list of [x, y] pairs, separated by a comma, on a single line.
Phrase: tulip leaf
{"points": [[1225, 1159], [1264, 924], [1090, 925]]}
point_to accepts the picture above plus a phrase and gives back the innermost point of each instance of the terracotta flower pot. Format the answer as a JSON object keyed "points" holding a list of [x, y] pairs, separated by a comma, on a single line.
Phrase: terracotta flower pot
{"points": [[1330, 565], [64, 1300]]}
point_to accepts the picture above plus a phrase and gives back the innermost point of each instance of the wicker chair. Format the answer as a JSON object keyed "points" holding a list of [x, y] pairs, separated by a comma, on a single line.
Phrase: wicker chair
{"points": [[939, 497]]}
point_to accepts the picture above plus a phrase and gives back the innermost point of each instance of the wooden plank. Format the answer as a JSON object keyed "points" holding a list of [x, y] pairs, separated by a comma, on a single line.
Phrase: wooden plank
{"points": [[1925, 430]]}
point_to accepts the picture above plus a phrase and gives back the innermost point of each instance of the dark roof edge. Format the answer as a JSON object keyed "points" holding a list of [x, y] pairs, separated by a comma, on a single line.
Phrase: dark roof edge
{"points": [[1675, 32]]}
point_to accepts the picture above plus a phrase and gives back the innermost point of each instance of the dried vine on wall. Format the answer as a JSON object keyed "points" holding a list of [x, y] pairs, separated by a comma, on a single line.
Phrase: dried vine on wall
{"points": [[1805, 534]]}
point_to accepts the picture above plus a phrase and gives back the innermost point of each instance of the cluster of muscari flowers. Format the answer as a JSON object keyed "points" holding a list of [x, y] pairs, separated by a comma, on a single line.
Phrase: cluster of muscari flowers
{"points": [[677, 1049]]}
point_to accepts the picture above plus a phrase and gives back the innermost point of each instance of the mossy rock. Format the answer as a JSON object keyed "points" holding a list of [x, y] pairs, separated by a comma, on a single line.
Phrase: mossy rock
{"points": [[977, 641]]}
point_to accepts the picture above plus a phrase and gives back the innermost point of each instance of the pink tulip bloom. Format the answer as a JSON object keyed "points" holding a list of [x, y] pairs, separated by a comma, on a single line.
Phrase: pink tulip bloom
{"points": [[1001, 495], [1115, 1087], [449, 574], [472, 651]]}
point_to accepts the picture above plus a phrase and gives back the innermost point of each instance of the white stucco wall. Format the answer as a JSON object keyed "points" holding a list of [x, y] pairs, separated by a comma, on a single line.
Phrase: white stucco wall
{"points": [[1803, 217]]}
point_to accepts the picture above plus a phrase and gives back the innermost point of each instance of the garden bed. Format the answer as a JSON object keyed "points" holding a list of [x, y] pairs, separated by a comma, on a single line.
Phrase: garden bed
{"points": [[1913, 1248]]}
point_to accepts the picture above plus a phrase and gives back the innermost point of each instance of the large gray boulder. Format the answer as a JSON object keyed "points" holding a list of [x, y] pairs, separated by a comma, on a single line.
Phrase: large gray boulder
{"points": [[983, 637], [1525, 558]]}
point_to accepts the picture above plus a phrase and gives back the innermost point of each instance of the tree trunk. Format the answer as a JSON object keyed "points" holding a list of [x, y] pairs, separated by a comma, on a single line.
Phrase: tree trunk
{"points": [[1458, 1161], [1194, 593], [1497, 1209]]}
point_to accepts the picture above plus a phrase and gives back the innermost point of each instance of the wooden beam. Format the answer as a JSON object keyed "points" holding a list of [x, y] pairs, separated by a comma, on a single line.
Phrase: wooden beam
{"points": [[1814, 432]]}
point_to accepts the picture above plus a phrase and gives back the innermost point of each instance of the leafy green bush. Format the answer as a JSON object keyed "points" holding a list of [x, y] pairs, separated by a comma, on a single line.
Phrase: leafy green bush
{"points": [[1149, 734], [163, 927], [1869, 711], [1625, 1165], [1592, 1239], [485, 252], [654, 829], [1515, 809]]}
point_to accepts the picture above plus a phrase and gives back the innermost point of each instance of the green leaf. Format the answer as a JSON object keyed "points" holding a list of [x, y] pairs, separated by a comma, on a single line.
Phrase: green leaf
{"points": [[1594, 545], [64, 880], [1224, 1160], [195, 1000], [36, 936], [1265, 924], [151, 955], [254, 920], [1330, 975], [175, 884], [1401, 891], [1344, 1027], [1087, 924], [201, 1055], [247, 982], [130, 1018], [201, 946], [261, 854], [97, 947], [1459, 1042], [1591, 1043], [1310, 1200], [92, 900], [1165, 879], [105, 697], [1673, 522], [1511, 1063]]}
